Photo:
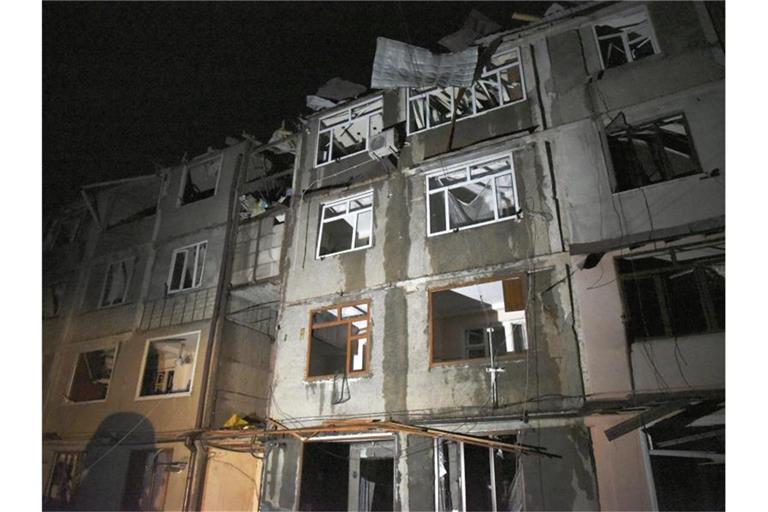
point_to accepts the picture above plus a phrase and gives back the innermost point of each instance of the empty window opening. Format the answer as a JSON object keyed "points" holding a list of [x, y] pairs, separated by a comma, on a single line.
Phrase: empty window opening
{"points": [[339, 341], [63, 481], [169, 365], [52, 300], [346, 225], [500, 84], [625, 39], [471, 195], [469, 477], [673, 293], [187, 265], [467, 322], [200, 180], [687, 453], [93, 372], [146, 481], [343, 476], [116, 282], [348, 132], [652, 152]]}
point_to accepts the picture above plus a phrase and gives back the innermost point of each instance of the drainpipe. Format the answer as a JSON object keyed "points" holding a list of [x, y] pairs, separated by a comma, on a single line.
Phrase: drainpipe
{"points": [[191, 495]]}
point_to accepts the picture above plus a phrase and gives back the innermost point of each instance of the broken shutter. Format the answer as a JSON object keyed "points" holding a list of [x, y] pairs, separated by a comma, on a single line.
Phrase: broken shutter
{"points": [[514, 297]]}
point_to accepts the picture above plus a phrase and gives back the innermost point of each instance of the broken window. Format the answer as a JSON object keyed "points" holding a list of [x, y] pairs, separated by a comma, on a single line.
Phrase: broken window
{"points": [[343, 476], [116, 283], [501, 83], [65, 230], [674, 292], [625, 39], [169, 365], [146, 481], [187, 267], [339, 340], [52, 300], [470, 477], [93, 372], [346, 225], [200, 180], [471, 195], [652, 152], [468, 322], [64, 480], [348, 132]]}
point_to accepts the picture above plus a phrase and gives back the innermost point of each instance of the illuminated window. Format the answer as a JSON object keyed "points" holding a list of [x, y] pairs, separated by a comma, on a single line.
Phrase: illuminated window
{"points": [[468, 321], [169, 365], [339, 342]]}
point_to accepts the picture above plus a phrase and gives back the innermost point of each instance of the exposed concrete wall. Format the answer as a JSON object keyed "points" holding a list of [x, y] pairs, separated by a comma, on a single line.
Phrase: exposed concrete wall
{"points": [[232, 481], [282, 467], [567, 483], [623, 473], [243, 376]]}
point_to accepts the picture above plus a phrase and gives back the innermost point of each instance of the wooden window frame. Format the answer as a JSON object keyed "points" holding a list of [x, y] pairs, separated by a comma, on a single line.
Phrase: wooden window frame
{"points": [[350, 338], [478, 360]]}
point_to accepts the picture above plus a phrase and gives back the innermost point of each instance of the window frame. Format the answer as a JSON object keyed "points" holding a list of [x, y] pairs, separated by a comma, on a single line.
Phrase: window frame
{"points": [[185, 177], [613, 179], [704, 296], [62, 285], [143, 368], [195, 277], [128, 280], [511, 356], [454, 90], [348, 110], [67, 399], [624, 39], [323, 221], [466, 165], [350, 338], [79, 457], [463, 472]]}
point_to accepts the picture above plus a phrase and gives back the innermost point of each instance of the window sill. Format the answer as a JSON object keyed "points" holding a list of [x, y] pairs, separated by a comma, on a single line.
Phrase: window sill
{"points": [[185, 290], [69, 402], [185, 394], [330, 378], [517, 217], [319, 257], [698, 174], [517, 357]]}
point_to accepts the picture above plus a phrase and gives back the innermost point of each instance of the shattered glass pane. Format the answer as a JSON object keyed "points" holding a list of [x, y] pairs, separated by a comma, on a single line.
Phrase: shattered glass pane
{"points": [[358, 354], [337, 236], [613, 52], [356, 310], [437, 212], [363, 232], [349, 138], [326, 315], [624, 39], [446, 179], [418, 117], [511, 84], [328, 353], [470, 204], [487, 92], [465, 106], [505, 196], [440, 107], [92, 374], [492, 167]]}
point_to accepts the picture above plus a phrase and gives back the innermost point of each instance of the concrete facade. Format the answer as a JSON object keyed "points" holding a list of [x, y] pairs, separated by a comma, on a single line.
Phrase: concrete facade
{"points": [[616, 358]]}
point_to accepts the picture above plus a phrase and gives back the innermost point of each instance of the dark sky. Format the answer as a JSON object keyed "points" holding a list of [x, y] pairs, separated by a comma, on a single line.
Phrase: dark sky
{"points": [[127, 85]]}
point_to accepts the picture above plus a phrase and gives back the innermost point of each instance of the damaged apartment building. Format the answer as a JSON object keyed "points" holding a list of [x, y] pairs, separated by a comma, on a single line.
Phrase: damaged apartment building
{"points": [[495, 280], [160, 302]]}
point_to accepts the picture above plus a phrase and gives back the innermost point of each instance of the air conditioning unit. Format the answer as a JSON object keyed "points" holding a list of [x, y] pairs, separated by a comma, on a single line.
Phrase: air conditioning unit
{"points": [[384, 144]]}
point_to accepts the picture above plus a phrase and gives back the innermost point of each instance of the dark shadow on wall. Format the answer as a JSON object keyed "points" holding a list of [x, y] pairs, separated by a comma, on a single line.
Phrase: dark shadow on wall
{"points": [[121, 469]]}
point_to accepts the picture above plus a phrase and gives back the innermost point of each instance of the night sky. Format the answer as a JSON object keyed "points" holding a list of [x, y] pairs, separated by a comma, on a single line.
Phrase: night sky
{"points": [[128, 86]]}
